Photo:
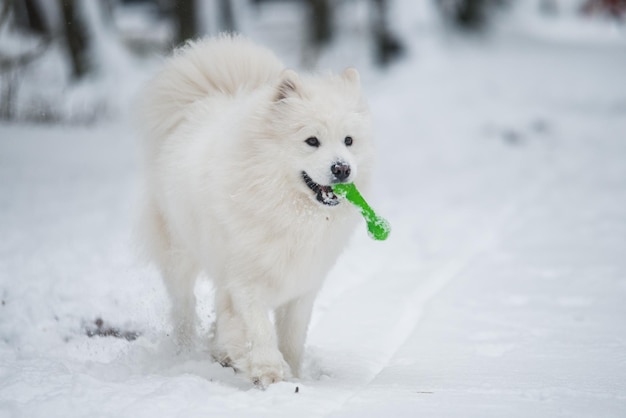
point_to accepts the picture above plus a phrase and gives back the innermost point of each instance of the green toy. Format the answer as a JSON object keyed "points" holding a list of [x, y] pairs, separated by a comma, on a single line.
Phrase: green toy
{"points": [[377, 226]]}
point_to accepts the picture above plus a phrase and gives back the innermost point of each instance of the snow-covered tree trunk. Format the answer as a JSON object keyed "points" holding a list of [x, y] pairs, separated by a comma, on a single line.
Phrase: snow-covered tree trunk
{"points": [[35, 17], [465, 14], [387, 45], [185, 12], [76, 37], [320, 21]]}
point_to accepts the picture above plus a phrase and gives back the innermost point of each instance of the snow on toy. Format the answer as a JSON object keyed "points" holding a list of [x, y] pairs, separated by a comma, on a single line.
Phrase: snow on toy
{"points": [[377, 226]]}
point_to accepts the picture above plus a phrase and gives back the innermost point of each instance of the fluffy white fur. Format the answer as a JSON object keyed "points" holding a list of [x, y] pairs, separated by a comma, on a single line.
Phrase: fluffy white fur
{"points": [[224, 128]]}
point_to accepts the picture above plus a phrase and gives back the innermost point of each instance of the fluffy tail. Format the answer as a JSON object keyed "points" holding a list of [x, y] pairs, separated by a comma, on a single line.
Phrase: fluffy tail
{"points": [[223, 65]]}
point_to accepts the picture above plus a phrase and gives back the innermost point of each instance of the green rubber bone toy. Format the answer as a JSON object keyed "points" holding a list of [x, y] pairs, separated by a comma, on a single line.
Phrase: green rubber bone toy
{"points": [[377, 226]]}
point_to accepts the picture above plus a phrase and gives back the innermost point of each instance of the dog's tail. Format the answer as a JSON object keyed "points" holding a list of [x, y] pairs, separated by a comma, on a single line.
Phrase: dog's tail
{"points": [[224, 65]]}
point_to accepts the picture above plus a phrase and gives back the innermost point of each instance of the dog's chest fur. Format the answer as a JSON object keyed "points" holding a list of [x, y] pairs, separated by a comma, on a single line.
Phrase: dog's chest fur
{"points": [[289, 253]]}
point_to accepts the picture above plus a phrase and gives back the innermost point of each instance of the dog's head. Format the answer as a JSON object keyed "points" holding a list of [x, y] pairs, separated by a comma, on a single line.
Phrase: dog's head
{"points": [[325, 130]]}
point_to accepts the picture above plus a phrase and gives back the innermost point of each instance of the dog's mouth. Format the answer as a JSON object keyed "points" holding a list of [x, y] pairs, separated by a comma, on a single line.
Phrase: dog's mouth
{"points": [[323, 194]]}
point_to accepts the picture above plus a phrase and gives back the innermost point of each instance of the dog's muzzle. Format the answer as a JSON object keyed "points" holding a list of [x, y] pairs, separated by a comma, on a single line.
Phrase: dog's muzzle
{"points": [[323, 194]]}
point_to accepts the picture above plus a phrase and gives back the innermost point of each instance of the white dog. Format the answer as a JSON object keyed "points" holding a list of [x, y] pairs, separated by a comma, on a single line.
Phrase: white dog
{"points": [[240, 155]]}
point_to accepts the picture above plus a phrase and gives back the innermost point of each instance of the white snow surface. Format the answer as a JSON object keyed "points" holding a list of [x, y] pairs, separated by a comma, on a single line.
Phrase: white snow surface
{"points": [[500, 292]]}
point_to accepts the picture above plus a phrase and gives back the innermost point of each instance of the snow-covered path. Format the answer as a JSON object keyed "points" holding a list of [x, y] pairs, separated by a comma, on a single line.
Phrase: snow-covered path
{"points": [[520, 310], [500, 292]]}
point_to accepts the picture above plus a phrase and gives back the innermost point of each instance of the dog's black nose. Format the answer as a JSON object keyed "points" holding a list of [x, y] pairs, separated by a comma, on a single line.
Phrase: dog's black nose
{"points": [[340, 170]]}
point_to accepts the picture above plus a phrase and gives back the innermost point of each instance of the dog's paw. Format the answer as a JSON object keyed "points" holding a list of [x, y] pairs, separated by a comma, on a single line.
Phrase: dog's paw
{"points": [[263, 376], [224, 360], [265, 373]]}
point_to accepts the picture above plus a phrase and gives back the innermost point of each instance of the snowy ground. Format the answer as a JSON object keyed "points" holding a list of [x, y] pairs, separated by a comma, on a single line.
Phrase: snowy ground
{"points": [[501, 291]]}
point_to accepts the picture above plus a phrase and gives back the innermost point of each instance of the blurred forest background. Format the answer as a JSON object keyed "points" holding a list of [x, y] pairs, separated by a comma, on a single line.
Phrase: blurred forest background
{"points": [[78, 61]]}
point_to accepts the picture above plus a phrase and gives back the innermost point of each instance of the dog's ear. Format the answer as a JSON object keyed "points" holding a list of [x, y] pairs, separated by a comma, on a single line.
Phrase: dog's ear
{"points": [[351, 75], [289, 85]]}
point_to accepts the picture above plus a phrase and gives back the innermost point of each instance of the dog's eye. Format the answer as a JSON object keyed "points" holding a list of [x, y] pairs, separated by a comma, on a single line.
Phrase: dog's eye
{"points": [[313, 141], [348, 141]]}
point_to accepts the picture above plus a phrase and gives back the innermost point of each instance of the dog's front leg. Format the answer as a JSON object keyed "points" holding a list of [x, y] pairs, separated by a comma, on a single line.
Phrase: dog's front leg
{"points": [[292, 322], [262, 362]]}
